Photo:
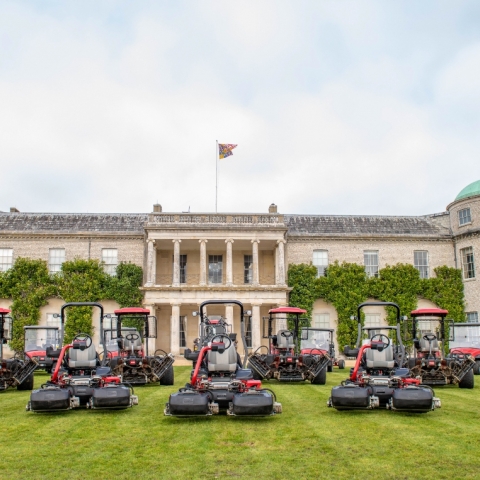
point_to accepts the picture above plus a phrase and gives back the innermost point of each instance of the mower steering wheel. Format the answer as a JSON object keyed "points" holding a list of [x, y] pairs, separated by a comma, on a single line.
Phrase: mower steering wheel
{"points": [[381, 337], [83, 337], [286, 334], [132, 337], [429, 337], [227, 346]]}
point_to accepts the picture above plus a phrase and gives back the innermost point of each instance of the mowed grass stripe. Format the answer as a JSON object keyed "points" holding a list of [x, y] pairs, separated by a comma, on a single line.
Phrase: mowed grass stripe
{"points": [[308, 440]]}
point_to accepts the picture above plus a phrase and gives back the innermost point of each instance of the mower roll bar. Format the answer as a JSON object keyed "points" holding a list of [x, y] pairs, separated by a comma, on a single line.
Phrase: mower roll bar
{"points": [[354, 351], [82, 304], [429, 314], [242, 323], [3, 313]]}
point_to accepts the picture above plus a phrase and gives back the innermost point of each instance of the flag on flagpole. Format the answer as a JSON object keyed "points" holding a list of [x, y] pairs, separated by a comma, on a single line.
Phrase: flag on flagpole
{"points": [[225, 150]]}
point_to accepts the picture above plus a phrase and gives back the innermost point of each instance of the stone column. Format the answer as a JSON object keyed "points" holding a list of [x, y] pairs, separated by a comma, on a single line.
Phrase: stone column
{"points": [[175, 329], [203, 262], [151, 263], [276, 265], [176, 263], [255, 261], [256, 326], [229, 316], [281, 262], [151, 341], [229, 243]]}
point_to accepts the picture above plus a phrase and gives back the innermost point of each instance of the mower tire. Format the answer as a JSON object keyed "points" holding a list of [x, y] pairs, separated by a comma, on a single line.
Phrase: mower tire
{"points": [[411, 363], [321, 378], [27, 384], [468, 380], [255, 375], [330, 367], [341, 364], [168, 378], [476, 368]]}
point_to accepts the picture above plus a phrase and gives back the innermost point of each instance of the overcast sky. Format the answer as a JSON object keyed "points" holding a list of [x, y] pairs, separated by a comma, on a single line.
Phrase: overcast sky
{"points": [[337, 107]]}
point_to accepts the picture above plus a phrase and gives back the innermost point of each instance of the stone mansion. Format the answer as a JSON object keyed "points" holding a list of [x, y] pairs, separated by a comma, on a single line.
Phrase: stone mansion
{"points": [[191, 257]]}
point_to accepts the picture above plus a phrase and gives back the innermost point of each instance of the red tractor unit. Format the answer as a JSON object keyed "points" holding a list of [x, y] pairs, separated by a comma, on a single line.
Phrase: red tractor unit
{"points": [[465, 340], [379, 378], [80, 378], [429, 361], [127, 345], [314, 339], [284, 359], [218, 381], [17, 371], [36, 340]]}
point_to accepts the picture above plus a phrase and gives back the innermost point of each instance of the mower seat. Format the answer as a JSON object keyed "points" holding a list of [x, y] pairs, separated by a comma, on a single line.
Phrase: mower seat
{"points": [[424, 345], [223, 362], [137, 344], [284, 342], [82, 358], [383, 359]]}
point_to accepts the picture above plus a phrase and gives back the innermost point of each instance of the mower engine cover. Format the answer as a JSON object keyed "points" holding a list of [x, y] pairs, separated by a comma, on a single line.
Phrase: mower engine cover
{"points": [[352, 397], [188, 403], [50, 399], [413, 399], [255, 403], [110, 396]]}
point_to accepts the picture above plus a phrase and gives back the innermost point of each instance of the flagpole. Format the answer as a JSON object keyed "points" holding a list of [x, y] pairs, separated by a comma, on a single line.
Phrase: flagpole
{"points": [[216, 176]]}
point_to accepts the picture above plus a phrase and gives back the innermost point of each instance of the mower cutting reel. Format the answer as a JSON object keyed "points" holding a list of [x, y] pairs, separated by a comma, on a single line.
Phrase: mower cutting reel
{"points": [[17, 371], [80, 378], [219, 382], [128, 348], [285, 359], [429, 362], [379, 378]]}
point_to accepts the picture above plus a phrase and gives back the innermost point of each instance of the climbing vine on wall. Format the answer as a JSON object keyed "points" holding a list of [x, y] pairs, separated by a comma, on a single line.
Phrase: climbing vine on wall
{"points": [[346, 285], [29, 285]]}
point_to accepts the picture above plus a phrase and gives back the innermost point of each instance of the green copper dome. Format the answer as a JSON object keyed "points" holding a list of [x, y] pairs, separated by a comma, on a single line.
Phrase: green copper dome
{"points": [[469, 190]]}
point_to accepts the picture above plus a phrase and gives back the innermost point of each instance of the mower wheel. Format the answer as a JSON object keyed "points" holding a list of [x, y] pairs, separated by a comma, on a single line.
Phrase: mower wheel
{"points": [[411, 363], [468, 380], [255, 375], [329, 367], [476, 368], [321, 378], [27, 384], [341, 364], [168, 378]]}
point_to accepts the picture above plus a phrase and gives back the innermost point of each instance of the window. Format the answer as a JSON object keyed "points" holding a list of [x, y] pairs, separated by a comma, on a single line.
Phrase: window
{"points": [[468, 263], [248, 331], [464, 216], [372, 320], [370, 258], [321, 320], [420, 262], [183, 269], [183, 331], [110, 260], [320, 260], [472, 317], [56, 257], [247, 268], [215, 269], [53, 320], [6, 259]]}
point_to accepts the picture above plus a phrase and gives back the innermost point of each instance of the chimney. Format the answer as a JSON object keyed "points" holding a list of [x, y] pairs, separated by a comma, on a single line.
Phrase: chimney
{"points": [[14, 210], [157, 208], [272, 208]]}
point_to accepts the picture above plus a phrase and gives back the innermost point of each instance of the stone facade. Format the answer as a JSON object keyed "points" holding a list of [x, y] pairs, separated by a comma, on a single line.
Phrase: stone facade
{"points": [[192, 257]]}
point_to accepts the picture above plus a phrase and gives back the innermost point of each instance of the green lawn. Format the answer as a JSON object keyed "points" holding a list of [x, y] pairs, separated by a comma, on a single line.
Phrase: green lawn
{"points": [[308, 440]]}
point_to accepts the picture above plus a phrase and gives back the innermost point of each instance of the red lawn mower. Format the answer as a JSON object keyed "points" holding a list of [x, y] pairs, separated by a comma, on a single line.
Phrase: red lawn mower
{"points": [[429, 361], [17, 371], [284, 359], [219, 382], [313, 339], [36, 340], [79, 378], [379, 379], [128, 350], [465, 340]]}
